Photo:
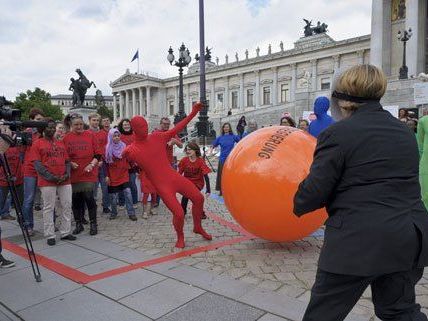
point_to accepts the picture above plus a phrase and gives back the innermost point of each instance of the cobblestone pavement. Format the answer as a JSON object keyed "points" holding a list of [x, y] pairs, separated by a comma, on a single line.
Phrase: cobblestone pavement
{"points": [[286, 268]]}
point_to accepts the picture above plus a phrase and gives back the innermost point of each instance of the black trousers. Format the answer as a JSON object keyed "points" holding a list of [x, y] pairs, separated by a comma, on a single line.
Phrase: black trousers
{"points": [[334, 295], [79, 200]]}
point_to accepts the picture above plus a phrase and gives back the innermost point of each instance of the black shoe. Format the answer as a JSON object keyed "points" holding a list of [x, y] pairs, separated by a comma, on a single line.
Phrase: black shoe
{"points": [[132, 217], [5, 263], [93, 229], [51, 242], [37, 208], [84, 221], [79, 228], [69, 237], [112, 217], [106, 210]]}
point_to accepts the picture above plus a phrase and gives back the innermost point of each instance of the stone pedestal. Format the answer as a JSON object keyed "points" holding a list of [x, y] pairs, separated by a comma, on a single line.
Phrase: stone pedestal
{"points": [[313, 41], [84, 112]]}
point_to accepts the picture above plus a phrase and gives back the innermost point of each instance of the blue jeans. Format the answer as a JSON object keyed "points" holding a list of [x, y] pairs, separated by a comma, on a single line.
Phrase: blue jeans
{"points": [[128, 202], [105, 196], [133, 187], [5, 203], [30, 186]]}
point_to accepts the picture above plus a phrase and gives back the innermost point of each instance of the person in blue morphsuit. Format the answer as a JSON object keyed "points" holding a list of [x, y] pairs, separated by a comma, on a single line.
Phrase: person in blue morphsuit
{"points": [[323, 120]]}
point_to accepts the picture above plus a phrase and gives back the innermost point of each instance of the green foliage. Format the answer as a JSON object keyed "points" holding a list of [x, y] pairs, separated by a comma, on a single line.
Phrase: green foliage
{"points": [[102, 109], [37, 98]]}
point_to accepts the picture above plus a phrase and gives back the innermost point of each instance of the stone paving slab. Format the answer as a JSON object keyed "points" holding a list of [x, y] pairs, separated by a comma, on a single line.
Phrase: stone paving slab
{"points": [[102, 266], [19, 290], [81, 304], [123, 285], [161, 298], [6, 315], [212, 307], [271, 317]]}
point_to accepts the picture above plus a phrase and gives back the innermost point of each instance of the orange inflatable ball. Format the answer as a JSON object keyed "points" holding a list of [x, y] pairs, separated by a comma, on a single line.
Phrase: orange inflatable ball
{"points": [[260, 178]]}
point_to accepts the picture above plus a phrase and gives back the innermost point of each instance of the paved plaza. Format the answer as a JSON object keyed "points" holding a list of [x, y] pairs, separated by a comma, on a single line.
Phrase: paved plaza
{"points": [[131, 271]]}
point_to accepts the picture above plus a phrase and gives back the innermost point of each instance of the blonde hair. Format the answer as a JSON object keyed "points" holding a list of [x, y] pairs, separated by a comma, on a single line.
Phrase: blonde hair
{"points": [[94, 115]]}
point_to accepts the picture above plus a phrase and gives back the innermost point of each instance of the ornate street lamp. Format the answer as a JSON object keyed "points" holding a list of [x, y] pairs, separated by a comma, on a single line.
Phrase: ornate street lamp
{"points": [[184, 60], [404, 37]]}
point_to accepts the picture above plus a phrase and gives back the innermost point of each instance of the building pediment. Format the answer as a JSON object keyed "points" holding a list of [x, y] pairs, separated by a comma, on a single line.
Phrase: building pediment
{"points": [[127, 78]]}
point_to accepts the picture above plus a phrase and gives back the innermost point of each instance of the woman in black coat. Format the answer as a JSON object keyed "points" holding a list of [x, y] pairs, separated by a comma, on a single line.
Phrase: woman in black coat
{"points": [[365, 172]]}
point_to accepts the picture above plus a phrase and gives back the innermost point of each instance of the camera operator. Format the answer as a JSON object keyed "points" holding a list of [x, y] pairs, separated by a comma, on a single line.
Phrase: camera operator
{"points": [[30, 175], [4, 145]]}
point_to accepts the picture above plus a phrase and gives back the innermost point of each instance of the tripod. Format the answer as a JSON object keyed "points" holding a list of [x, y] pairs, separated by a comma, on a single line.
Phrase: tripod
{"points": [[17, 203]]}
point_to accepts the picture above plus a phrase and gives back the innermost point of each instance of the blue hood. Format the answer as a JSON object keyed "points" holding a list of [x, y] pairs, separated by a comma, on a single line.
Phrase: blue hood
{"points": [[321, 106]]}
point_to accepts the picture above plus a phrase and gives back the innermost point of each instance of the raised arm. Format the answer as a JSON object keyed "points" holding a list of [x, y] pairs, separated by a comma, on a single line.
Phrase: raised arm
{"points": [[180, 126]]}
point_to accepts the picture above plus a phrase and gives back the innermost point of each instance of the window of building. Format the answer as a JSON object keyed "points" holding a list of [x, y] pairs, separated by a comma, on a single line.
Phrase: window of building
{"points": [[250, 97], [266, 95], [171, 108], [234, 99], [285, 93], [325, 83], [220, 98]]}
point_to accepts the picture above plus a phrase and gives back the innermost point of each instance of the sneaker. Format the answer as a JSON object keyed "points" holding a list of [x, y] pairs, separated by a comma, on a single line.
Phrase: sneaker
{"points": [[145, 216], [51, 242], [132, 217], [8, 217], [30, 232], [106, 210], [5, 263], [69, 237]]}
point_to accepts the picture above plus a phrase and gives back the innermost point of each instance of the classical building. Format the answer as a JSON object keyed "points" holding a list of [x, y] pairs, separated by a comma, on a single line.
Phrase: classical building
{"points": [[65, 102], [264, 84]]}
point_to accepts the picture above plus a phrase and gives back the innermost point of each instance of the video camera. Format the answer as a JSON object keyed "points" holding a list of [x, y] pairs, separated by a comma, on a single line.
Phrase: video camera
{"points": [[12, 118]]}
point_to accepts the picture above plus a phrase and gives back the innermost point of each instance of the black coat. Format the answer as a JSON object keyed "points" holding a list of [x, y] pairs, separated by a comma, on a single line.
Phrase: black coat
{"points": [[366, 173]]}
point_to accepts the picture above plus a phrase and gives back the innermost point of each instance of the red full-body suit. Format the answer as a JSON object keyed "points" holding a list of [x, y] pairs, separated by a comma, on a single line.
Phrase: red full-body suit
{"points": [[149, 152]]}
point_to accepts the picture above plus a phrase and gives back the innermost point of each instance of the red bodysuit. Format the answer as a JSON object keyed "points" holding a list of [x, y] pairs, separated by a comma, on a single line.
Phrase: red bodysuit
{"points": [[149, 152]]}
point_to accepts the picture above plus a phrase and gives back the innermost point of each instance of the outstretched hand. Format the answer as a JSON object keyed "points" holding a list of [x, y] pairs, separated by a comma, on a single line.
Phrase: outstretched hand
{"points": [[198, 106]]}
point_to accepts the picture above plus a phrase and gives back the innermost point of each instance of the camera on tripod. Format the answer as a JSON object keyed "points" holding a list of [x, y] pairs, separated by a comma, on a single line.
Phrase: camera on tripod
{"points": [[12, 118]]}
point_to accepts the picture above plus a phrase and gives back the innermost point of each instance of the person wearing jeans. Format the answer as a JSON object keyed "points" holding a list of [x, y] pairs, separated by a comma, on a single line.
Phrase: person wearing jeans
{"points": [[53, 168], [30, 175]]}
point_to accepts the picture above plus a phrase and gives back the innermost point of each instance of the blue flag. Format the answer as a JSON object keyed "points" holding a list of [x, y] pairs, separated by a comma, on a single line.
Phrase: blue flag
{"points": [[135, 56]]}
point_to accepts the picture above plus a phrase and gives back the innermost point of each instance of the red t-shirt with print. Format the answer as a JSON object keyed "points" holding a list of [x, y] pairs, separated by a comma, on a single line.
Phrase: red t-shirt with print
{"points": [[53, 155], [118, 171], [194, 171], [14, 157], [29, 169], [81, 148], [101, 140]]}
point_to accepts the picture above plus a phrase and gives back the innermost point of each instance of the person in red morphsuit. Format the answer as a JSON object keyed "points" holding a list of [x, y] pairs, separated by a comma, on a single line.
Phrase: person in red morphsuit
{"points": [[149, 152]]}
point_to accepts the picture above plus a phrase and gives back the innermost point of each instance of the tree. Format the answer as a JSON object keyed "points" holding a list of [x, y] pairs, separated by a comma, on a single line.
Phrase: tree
{"points": [[37, 99], [102, 109]]}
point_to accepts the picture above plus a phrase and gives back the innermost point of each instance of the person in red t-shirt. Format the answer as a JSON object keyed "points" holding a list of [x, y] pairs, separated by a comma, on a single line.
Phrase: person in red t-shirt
{"points": [[52, 164], [117, 176], [84, 156], [101, 138], [30, 175], [193, 167], [127, 136], [14, 156], [147, 189]]}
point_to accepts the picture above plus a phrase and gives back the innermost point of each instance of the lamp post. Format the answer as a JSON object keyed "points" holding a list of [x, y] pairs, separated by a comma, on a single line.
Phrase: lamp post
{"points": [[404, 37], [183, 61]]}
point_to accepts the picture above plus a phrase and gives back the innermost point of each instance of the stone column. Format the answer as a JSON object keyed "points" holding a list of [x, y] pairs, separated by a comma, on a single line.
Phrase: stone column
{"points": [[212, 99], [360, 54], [336, 59], [121, 104], [380, 40], [416, 19], [275, 86], [314, 74], [141, 101], [293, 82], [241, 92], [127, 107], [114, 107], [134, 102], [149, 101], [257, 91], [226, 103]]}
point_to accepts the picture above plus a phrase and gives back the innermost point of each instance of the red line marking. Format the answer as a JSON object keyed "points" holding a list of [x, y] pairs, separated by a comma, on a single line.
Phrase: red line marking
{"points": [[83, 278], [55, 266]]}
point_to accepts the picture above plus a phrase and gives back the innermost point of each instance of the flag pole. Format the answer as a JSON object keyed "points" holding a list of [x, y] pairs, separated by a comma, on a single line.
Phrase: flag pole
{"points": [[138, 60]]}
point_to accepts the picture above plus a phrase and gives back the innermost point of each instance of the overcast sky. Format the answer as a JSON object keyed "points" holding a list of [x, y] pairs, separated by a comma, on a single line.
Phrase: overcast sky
{"points": [[42, 42]]}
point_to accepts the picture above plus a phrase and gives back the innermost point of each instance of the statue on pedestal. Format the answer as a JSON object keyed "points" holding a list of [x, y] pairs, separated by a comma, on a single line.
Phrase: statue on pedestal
{"points": [[79, 88]]}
